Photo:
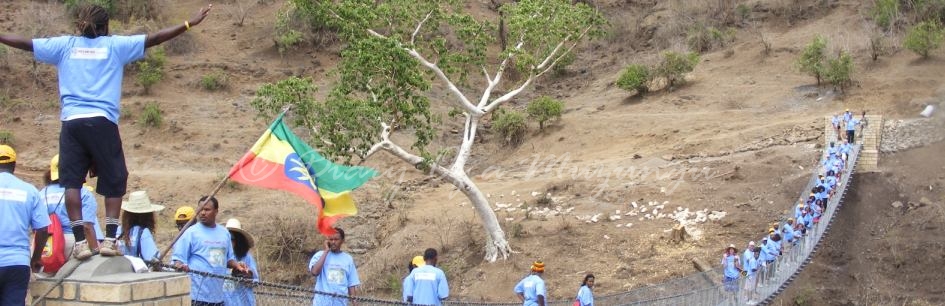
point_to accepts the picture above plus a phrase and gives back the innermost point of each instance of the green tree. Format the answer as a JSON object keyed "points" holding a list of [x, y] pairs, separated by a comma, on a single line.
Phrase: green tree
{"points": [[811, 61], [885, 12], [543, 109], [924, 37], [395, 49], [840, 70], [151, 69], [676, 65], [634, 77]]}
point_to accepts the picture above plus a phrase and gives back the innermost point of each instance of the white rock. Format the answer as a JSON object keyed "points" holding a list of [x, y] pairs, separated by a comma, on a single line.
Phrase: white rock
{"points": [[614, 217], [665, 202], [927, 112], [629, 224], [606, 237], [662, 189], [509, 219], [634, 204], [570, 209], [595, 217], [648, 216], [535, 194], [619, 225], [643, 209], [641, 219], [511, 209], [678, 208], [514, 192], [488, 195], [617, 212]]}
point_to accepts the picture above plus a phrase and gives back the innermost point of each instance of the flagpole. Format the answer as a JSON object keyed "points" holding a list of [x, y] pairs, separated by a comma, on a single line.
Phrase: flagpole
{"points": [[193, 220]]}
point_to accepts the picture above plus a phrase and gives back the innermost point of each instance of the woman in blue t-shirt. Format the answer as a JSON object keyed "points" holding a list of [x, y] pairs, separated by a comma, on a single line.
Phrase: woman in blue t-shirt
{"points": [[585, 296], [236, 292], [137, 226]]}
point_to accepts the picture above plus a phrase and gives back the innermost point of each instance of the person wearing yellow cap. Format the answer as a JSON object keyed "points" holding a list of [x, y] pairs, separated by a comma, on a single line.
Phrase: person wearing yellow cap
{"points": [[415, 262], [90, 68], [531, 289], [427, 285], [53, 196], [183, 215], [21, 210]]}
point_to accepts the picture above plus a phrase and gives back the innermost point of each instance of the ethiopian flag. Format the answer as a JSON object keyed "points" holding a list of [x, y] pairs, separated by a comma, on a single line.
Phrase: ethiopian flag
{"points": [[280, 160]]}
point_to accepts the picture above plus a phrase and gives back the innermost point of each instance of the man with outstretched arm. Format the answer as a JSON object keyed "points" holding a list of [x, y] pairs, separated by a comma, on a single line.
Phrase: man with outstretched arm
{"points": [[90, 68]]}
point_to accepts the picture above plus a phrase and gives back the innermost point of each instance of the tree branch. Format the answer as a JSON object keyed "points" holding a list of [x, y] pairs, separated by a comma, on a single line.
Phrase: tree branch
{"points": [[463, 102], [465, 149], [493, 82], [419, 25]]}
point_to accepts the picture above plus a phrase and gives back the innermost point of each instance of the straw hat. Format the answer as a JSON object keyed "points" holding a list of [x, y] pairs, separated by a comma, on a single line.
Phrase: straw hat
{"points": [[235, 226], [138, 202]]}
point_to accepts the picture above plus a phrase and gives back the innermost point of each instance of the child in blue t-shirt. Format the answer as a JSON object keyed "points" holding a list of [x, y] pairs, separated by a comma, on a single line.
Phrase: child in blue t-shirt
{"points": [[90, 68]]}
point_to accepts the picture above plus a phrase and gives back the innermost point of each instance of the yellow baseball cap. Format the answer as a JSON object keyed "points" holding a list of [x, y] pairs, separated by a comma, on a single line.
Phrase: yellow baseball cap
{"points": [[418, 261], [54, 168], [7, 154], [184, 213]]}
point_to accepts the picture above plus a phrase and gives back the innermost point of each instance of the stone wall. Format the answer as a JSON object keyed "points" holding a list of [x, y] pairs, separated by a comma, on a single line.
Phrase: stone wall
{"points": [[105, 281]]}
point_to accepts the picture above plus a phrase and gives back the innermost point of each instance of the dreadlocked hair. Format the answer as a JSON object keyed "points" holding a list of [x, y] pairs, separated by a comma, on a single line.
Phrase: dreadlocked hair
{"points": [[92, 21]]}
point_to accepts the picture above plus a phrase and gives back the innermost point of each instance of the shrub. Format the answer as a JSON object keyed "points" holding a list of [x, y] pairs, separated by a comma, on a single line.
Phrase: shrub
{"points": [[743, 12], [152, 115], [108, 5], [543, 109], [634, 77], [702, 38], [151, 69], [923, 38], [286, 36], [885, 12], [510, 125], [215, 81], [840, 70], [6, 137], [812, 59], [675, 65]]}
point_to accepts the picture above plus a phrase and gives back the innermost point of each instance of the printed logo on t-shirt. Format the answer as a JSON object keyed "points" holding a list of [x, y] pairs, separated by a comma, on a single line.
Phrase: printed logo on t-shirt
{"points": [[89, 53], [336, 276], [53, 198], [217, 256], [14, 195], [425, 276]]}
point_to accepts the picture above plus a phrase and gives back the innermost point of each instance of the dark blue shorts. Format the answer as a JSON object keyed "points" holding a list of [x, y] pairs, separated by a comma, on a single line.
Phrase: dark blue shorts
{"points": [[14, 280], [92, 144]]}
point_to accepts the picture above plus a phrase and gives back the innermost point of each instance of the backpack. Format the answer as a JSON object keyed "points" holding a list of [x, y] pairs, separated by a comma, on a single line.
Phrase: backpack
{"points": [[54, 255]]}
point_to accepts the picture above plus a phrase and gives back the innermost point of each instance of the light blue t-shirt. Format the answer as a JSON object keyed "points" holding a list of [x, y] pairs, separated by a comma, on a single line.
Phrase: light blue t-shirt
{"points": [[21, 210], [585, 296], [52, 196], [148, 247], [90, 70], [847, 116], [852, 123], [338, 274], [787, 232], [728, 266], [752, 264], [531, 287], [239, 293], [206, 249], [427, 285]]}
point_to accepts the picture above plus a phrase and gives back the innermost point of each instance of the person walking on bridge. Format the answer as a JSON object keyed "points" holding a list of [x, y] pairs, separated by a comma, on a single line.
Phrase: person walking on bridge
{"points": [[531, 289]]}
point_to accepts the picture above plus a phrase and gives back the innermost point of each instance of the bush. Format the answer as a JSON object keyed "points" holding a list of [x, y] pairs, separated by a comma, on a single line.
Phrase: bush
{"points": [[152, 115], [6, 137], [634, 77], [675, 65], [286, 36], [109, 5], [885, 12], [840, 70], [215, 81], [543, 109], [151, 69], [743, 12], [924, 37], [510, 125], [812, 59], [702, 38]]}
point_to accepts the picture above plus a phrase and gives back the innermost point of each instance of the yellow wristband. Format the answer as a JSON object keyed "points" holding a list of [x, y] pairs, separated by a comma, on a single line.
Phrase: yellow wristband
{"points": [[187, 24]]}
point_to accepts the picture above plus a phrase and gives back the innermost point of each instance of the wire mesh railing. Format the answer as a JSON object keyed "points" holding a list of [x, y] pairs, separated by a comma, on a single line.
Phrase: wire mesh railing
{"points": [[705, 288]]}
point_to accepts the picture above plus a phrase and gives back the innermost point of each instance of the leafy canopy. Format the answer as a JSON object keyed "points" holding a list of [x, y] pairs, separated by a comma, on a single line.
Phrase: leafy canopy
{"points": [[544, 108], [395, 49], [924, 37], [812, 59]]}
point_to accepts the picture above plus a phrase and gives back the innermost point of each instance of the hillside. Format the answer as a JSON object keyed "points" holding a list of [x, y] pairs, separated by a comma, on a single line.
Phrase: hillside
{"points": [[739, 138]]}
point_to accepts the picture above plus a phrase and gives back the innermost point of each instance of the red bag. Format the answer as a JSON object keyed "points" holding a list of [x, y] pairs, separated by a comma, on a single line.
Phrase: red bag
{"points": [[54, 255], [577, 302]]}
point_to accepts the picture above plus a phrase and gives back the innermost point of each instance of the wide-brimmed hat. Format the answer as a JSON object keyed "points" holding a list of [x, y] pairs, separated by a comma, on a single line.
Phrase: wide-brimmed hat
{"points": [[138, 202], [7, 154], [54, 168], [235, 226]]}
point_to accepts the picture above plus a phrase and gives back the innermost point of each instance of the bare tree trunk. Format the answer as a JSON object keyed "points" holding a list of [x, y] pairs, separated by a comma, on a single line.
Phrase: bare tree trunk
{"points": [[496, 245]]}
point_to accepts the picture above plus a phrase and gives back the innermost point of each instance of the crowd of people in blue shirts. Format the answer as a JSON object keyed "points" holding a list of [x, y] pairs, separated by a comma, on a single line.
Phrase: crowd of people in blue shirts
{"points": [[758, 260]]}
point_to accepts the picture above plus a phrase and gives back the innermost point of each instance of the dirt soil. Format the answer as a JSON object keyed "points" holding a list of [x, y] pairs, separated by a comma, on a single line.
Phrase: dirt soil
{"points": [[736, 143]]}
